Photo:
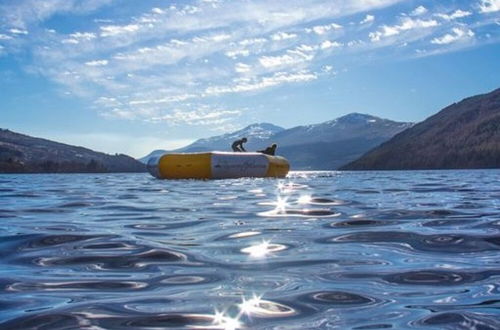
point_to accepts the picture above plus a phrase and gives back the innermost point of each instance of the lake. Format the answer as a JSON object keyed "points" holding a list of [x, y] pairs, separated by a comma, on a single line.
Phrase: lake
{"points": [[346, 250]]}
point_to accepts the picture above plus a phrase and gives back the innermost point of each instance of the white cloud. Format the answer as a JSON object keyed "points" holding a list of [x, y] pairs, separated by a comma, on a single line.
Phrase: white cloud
{"points": [[158, 11], [292, 57], [265, 82], [322, 29], [5, 37], [83, 35], [202, 116], [368, 19], [174, 51], [114, 30], [420, 10], [489, 6], [97, 63], [242, 68], [236, 53], [163, 100], [283, 36], [18, 31], [278, 61], [456, 14], [249, 42], [457, 34], [407, 24], [77, 37], [329, 44], [70, 41]]}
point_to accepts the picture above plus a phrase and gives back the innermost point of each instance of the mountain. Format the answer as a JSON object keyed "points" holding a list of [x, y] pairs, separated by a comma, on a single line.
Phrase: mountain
{"points": [[21, 153], [334, 143], [462, 135], [258, 136], [327, 145]]}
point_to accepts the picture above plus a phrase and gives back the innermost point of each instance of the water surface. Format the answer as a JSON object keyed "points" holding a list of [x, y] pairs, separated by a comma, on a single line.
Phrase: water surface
{"points": [[347, 250]]}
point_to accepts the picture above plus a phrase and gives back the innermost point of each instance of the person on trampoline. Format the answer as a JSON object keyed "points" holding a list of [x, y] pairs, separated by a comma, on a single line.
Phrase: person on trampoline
{"points": [[269, 150], [238, 145]]}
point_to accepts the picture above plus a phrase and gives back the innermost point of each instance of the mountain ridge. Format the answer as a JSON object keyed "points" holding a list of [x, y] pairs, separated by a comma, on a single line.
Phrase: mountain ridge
{"points": [[465, 134], [21, 153]]}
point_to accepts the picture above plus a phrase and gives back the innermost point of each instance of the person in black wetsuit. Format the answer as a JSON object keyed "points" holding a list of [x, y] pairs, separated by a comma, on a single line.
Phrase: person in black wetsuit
{"points": [[238, 145], [269, 150]]}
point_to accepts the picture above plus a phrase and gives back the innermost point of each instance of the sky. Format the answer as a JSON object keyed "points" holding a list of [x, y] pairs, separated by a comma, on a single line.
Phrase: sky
{"points": [[127, 76]]}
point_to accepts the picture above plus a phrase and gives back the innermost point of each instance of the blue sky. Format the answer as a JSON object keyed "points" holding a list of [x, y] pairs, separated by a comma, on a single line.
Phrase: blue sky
{"points": [[132, 76]]}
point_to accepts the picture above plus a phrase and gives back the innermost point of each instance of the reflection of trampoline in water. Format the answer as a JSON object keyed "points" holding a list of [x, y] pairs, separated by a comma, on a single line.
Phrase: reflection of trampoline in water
{"points": [[217, 165]]}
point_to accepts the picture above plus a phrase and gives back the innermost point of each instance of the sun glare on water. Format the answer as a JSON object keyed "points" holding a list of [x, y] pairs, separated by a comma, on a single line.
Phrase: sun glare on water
{"points": [[258, 251], [223, 321]]}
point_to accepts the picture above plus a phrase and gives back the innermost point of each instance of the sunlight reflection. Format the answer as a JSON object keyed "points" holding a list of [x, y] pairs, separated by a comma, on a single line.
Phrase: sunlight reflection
{"points": [[258, 251], [305, 199], [256, 306], [263, 249], [250, 306], [281, 204], [223, 321]]}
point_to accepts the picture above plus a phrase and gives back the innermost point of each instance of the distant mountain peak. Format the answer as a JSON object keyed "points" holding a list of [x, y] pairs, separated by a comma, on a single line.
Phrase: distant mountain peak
{"points": [[353, 118], [256, 131], [260, 127], [263, 125], [356, 117]]}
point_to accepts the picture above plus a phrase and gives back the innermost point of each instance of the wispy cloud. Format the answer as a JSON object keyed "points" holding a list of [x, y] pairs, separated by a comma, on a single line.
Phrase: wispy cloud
{"points": [[368, 19], [251, 85], [323, 29], [22, 13], [178, 63], [97, 63], [116, 30], [406, 24], [456, 14], [420, 10], [457, 34]]}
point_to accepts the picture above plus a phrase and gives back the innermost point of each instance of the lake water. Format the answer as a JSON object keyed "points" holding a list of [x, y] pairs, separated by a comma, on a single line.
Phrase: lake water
{"points": [[346, 250]]}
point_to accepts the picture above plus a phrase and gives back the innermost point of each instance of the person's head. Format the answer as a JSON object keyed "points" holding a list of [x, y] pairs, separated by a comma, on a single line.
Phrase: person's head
{"points": [[244, 139]]}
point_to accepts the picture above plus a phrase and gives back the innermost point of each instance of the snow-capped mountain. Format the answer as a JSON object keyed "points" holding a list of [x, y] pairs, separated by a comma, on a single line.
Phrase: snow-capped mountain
{"points": [[258, 136], [347, 127], [327, 145]]}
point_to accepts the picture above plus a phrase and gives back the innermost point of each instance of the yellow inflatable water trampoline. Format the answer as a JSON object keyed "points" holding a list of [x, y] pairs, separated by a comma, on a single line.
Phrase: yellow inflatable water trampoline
{"points": [[217, 165]]}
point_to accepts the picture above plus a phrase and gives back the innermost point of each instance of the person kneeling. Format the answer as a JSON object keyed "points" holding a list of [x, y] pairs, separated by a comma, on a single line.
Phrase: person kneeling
{"points": [[237, 145]]}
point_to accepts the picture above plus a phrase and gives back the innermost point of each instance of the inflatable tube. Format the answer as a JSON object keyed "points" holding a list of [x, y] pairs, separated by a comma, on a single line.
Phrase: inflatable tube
{"points": [[217, 165]]}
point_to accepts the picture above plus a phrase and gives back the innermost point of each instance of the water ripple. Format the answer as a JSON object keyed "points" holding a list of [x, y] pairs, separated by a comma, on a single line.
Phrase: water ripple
{"points": [[315, 250], [442, 243]]}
